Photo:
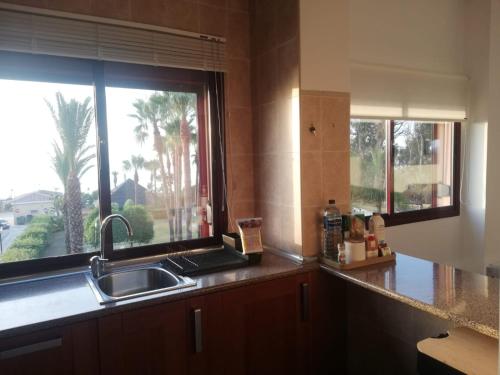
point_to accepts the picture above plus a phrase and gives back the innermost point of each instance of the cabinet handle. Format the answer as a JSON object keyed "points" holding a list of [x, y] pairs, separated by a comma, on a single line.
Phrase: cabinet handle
{"points": [[32, 348], [198, 334], [304, 296]]}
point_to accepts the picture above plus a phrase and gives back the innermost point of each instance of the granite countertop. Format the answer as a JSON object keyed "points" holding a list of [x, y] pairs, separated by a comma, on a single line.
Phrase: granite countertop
{"points": [[44, 303], [466, 298]]}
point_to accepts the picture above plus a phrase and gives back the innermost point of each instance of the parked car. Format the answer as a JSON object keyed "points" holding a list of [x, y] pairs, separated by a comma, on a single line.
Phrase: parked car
{"points": [[4, 224]]}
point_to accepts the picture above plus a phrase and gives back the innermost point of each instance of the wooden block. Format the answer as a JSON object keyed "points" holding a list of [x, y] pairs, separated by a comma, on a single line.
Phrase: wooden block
{"points": [[465, 350]]}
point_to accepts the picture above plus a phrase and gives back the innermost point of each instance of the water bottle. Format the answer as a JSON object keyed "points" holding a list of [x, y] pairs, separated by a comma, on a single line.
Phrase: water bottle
{"points": [[332, 230]]}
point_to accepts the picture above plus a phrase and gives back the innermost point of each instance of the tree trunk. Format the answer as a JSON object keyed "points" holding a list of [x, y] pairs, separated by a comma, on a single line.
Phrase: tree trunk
{"points": [[177, 191], [136, 182], [66, 224], [74, 207], [185, 139], [158, 143], [171, 213]]}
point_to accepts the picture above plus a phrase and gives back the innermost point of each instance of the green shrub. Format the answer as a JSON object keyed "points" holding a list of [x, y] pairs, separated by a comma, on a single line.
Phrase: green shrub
{"points": [[140, 220], [16, 254], [31, 243]]}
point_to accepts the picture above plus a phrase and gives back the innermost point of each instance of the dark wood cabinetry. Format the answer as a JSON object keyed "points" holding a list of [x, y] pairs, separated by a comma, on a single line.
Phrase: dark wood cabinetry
{"points": [[261, 328], [266, 327], [150, 340], [63, 350]]}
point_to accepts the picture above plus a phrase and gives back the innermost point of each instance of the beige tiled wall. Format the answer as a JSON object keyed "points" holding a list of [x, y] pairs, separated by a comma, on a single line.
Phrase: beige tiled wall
{"points": [[324, 160], [275, 86], [228, 18]]}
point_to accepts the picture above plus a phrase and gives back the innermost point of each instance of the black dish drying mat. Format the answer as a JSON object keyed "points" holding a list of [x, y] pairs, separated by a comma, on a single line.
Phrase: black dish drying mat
{"points": [[200, 263]]}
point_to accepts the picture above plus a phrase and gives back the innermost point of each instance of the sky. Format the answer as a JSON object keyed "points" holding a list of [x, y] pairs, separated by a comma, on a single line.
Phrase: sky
{"points": [[27, 131]]}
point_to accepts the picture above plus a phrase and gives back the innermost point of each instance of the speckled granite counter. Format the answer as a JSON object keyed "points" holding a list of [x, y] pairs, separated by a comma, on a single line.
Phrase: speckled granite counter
{"points": [[38, 304], [465, 298]]}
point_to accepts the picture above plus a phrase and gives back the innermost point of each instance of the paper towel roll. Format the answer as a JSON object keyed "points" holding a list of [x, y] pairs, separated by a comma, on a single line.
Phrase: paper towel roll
{"points": [[354, 251]]}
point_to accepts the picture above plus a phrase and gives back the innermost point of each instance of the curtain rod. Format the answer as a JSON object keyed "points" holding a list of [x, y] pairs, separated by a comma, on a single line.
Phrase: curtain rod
{"points": [[108, 21]]}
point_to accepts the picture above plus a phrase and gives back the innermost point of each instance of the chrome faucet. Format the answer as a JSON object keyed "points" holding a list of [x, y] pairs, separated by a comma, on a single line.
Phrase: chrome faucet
{"points": [[98, 263]]}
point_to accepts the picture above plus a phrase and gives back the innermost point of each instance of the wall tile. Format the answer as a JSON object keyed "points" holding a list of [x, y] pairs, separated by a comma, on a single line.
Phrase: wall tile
{"points": [[241, 5], [269, 179], [217, 3], [310, 116], [239, 94], [238, 35], [179, 14], [311, 169], [241, 184], [286, 17], [291, 229], [288, 73], [267, 77], [112, 9], [271, 228], [76, 6], [336, 177], [239, 123], [311, 235], [269, 128], [239, 210], [335, 123], [212, 20], [289, 172], [289, 118]]}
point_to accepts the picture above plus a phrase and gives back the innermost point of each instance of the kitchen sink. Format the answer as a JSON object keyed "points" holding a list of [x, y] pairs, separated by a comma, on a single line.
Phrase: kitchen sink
{"points": [[134, 282]]}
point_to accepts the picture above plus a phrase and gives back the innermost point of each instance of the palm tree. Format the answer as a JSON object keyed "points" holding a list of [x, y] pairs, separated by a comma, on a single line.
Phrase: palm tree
{"points": [[152, 166], [115, 178], [181, 109], [137, 163], [148, 115], [71, 161], [126, 167]]}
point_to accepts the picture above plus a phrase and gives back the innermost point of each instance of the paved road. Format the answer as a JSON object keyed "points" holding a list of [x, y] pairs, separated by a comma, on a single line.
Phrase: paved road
{"points": [[9, 235]]}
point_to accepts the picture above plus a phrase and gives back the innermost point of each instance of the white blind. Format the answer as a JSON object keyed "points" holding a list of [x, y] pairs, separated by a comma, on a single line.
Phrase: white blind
{"points": [[42, 34], [394, 93]]}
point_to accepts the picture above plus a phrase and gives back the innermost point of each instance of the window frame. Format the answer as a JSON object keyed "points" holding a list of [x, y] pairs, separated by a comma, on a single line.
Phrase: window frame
{"points": [[392, 218], [54, 69]]}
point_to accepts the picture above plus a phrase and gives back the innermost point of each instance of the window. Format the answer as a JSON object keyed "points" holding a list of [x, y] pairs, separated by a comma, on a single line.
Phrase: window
{"points": [[415, 179], [82, 139]]}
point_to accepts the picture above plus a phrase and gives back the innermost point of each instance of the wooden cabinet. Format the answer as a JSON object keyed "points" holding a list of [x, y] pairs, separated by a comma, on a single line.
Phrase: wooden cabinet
{"points": [[265, 327], [150, 340], [63, 350]]}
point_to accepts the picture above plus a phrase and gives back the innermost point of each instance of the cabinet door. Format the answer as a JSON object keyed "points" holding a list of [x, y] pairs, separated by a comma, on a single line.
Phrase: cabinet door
{"points": [[151, 340], [62, 350], [265, 327], [205, 338]]}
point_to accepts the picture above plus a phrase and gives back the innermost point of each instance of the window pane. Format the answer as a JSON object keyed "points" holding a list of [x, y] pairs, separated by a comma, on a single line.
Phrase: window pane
{"points": [[423, 165], [368, 164], [155, 165], [48, 169]]}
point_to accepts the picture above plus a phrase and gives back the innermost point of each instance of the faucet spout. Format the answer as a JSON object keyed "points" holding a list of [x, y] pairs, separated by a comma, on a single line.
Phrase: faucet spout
{"points": [[97, 263]]}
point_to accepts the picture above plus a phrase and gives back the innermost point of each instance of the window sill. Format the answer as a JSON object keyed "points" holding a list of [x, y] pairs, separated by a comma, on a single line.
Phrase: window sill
{"points": [[421, 215]]}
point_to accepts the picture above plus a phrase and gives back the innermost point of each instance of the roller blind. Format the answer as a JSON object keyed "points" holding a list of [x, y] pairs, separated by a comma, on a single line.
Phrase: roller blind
{"points": [[398, 93], [42, 34]]}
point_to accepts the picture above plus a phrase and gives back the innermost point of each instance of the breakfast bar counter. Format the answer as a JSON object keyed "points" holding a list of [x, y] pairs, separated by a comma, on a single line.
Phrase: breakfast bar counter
{"points": [[465, 298]]}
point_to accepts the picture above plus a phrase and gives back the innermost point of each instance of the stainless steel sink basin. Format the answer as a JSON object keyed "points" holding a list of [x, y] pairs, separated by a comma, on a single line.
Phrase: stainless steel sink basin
{"points": [[135, 282]]}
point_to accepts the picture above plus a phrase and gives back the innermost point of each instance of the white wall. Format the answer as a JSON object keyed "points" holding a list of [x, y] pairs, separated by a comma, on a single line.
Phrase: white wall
{"points": [[492, 248], [324, 45], [474, 134]]}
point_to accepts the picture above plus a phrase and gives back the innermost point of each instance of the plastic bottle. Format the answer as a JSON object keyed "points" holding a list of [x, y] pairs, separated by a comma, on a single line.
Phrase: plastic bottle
{"points": [[332, 234], [376, 226]]}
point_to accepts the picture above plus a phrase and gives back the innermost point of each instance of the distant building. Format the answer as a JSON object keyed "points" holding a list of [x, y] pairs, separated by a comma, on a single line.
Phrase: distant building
{"points": [[126, 191], [40, 202]]}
